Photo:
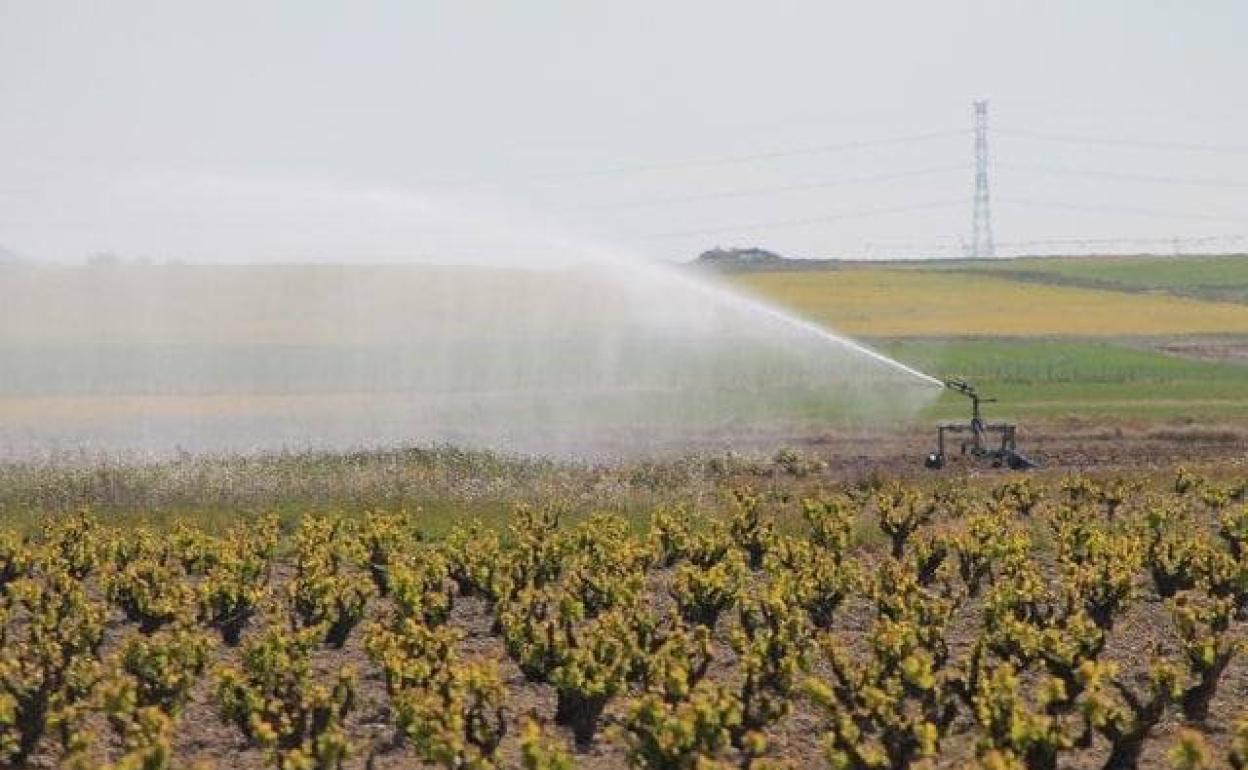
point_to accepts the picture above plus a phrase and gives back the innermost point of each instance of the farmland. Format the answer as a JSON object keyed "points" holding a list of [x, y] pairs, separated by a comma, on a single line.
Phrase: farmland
{"points": [[1122, 339], [889, 302], [1217, 278], [1088, 380], [805, 597], [623, 386], [1081, 621]]}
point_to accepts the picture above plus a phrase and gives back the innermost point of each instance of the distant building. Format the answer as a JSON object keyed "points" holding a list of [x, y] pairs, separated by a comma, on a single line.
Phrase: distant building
{"points": [[739, 258], [103, 259]]}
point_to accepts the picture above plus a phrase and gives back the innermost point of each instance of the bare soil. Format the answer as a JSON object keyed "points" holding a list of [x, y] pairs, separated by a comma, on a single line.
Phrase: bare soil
{"points": [[1057, 448], [1143, 631]]}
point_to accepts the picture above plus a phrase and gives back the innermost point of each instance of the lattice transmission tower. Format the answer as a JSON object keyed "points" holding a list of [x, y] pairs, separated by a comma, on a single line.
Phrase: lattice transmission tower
{"points": [[981, 215]]}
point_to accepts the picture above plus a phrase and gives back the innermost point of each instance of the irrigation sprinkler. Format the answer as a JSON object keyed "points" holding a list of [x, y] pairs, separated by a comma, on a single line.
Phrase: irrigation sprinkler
{"points": [[979, 446]]}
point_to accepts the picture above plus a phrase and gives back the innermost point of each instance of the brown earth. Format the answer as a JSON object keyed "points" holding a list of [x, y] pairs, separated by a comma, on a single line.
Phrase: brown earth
{"points": [[1142, 631], [1216, 349], [204, 740], [1057, 448]]}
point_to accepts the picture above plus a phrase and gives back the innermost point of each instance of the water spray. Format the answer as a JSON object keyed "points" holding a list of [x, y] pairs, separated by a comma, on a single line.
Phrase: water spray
{"points": [[522, 337], [815, 330]]}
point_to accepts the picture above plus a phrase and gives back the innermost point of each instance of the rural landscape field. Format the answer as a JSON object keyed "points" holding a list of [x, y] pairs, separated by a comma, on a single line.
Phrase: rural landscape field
{"points": [[454, 610], [1148, 339], [623, 386], [813, 597], [1149, 349]]}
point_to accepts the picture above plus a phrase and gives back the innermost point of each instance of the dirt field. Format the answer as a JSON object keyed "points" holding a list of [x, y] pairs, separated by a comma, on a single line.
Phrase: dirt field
{"points": [[1057, 448], [1208, 349], [1141, 630]]}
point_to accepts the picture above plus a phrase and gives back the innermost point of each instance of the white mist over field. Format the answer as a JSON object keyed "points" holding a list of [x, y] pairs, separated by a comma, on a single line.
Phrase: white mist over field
{"points": [[317, 224], [375, 318]]}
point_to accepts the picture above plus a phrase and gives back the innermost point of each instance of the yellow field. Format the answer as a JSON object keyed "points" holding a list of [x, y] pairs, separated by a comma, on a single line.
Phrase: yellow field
{"points": [[882, 302], [347, 305]]}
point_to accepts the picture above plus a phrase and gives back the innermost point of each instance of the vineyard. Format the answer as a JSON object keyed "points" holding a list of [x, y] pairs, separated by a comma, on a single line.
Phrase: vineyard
{"points": [[1038, 623]]}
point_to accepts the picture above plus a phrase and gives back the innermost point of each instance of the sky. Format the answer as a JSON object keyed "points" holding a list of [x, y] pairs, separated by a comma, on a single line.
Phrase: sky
{"points": [[501, 132]]}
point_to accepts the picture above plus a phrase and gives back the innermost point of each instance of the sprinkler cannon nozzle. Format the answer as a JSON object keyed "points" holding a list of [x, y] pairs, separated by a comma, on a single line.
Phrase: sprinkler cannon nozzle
{"points": [[968, 390]]}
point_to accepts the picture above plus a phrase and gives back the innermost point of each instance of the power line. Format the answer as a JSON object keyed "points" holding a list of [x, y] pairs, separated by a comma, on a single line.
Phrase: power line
{"points": [[1149, 178], [746, 192], [725, 160], [1133, 143], [1222, 244], [859, 214], [1185, 240], [1099, 209]]}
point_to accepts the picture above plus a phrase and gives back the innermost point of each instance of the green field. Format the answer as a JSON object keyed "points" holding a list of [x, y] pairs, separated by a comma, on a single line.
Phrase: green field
{"points": [[1057, 338], [1215, 277], [1082, 380]]}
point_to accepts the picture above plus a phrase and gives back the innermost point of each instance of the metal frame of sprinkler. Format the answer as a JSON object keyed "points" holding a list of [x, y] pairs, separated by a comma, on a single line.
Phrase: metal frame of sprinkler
{"points": [[979, 446]]}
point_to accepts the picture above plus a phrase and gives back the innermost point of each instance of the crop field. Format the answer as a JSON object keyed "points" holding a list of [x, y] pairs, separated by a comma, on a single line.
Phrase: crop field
{"points": [[1040, 622], [595, 386], [1086, 380], [1117, 339], [1122, 340], [892, 302], [830, 605], [1217, 278]]}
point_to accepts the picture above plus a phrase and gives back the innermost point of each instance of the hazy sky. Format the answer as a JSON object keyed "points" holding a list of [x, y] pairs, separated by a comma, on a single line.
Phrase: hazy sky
{"points": [[470, 130]]}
